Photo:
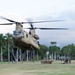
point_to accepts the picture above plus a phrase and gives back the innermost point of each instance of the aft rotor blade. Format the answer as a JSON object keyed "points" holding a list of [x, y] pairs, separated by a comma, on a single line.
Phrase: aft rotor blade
{"points": [[52, 28], [6, 24], [49, 28]]}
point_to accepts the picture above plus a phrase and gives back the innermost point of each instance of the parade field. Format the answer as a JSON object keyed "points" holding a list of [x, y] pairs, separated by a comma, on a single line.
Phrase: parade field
{"points": [[36, 68]]}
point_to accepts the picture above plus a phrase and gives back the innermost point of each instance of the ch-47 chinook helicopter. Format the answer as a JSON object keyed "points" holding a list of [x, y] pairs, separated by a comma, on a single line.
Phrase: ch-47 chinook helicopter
{"points": [[23, 39]]}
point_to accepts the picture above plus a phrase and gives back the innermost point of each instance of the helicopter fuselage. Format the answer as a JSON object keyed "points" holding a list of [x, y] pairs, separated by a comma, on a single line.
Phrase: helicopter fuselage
{"points": [[24, 40]]}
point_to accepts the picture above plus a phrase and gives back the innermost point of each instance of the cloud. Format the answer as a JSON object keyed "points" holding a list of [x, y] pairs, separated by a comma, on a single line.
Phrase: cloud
{"points": [[59, 36]]}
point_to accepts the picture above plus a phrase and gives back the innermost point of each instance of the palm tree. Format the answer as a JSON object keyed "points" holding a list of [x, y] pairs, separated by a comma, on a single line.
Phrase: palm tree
{"points": [[54, 50], [9, 44], [53, 43]]}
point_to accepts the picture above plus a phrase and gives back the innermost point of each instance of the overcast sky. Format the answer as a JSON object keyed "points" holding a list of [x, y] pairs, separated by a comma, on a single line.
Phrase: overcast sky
{"points": [[20, 10]]}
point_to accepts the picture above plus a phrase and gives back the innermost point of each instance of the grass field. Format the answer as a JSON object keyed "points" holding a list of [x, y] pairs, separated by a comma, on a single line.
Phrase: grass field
{"points": [[36, 68]]}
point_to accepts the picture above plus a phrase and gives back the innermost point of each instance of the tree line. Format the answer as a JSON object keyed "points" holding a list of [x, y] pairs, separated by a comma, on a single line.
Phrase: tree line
{"points": [[8, 52]]}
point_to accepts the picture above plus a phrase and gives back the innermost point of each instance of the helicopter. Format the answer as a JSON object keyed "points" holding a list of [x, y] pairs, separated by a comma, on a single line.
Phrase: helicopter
{"points": [[27, 40]]}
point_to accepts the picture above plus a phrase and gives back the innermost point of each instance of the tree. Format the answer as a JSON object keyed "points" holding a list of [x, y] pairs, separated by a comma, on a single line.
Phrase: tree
{"points": [[54, 50], [53, 43], [2, 44], [9, 44], [68, 51], [42, 51]]}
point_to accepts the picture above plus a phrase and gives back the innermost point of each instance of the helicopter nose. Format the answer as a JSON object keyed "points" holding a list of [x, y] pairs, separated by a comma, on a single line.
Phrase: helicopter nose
{"points": [[17, 35]]}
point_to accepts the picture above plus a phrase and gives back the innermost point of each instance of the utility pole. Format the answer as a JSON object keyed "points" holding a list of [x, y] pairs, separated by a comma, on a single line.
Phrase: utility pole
{"points": [[20, 55], [27, 55], [8, 54], [33, 55], [37, 55], [1, 55], [17, 55]]}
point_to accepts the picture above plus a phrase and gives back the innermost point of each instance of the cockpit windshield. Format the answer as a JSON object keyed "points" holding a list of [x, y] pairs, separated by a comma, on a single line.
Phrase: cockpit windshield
{"points": [[18, 32]]}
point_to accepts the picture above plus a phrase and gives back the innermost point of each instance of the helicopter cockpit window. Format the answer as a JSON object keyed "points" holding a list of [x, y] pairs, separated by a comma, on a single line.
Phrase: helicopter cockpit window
{"points": [[16, 33], [21, 33]]}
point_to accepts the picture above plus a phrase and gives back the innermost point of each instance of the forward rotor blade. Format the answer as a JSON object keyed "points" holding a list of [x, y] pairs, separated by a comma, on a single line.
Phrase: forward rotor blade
{"points": [[7, 19], [6, 24], [43, 21], [30, 22]]}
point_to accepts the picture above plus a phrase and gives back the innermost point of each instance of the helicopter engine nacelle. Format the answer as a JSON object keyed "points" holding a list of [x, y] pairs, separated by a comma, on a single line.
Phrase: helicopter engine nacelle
{"points": [[36, 36]]}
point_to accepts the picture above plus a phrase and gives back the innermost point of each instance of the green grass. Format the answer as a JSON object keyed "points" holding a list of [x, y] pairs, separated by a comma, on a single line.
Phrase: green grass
{"points": [[36, 68]]}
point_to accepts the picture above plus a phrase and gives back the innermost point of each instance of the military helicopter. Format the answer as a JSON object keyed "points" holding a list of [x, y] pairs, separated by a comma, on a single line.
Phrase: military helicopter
{"points": [[27, 40]]}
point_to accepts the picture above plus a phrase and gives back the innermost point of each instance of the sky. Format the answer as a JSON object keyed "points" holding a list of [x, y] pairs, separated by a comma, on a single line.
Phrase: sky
{"points": [[20, 10]]}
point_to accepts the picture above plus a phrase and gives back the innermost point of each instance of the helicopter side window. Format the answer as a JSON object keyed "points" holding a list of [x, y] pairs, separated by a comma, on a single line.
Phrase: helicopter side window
{"points": [[22, 33], [30, 33], [27, 35]]}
